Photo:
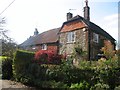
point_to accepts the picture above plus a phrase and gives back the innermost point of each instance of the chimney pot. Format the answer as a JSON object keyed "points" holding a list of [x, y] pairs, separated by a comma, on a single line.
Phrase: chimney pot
{"points": [[69, 16], [87, 11]]}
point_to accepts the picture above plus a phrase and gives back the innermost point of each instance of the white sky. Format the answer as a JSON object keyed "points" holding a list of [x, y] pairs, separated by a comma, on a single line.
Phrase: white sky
{"points": [[23, 16]]}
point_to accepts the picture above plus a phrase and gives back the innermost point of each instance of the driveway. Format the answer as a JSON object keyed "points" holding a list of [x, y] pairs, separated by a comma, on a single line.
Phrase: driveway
{"points": [[12, 85]]}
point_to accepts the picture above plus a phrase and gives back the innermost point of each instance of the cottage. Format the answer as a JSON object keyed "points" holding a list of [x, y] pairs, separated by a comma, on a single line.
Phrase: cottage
{"points": [[76, 33], [47, 40]]}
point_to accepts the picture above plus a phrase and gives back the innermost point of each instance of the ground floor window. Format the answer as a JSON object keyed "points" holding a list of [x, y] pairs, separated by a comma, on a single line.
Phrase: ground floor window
{"points": [[44, 47]]}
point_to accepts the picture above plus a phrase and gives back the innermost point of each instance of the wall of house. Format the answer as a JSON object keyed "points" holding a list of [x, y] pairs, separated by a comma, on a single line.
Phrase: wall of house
{"points": [[52, 46], [80, 41], [96, 47]]}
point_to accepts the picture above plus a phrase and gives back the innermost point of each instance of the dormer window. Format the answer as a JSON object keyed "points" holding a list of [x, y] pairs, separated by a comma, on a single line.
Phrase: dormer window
{"points": [[44, 47], [71, 37], [95, 38]]}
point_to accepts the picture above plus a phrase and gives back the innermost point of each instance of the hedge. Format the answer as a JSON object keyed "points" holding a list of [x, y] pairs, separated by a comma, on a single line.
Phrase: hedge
{"points": [[98, 74], [21, 62], [6, 67]]}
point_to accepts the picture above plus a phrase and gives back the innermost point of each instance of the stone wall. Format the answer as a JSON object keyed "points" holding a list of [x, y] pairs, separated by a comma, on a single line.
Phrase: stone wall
{"points": [[80, 41]]}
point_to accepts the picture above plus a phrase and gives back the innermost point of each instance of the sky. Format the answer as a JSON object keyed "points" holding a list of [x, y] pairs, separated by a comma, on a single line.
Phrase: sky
{"points": [[23, 16]]}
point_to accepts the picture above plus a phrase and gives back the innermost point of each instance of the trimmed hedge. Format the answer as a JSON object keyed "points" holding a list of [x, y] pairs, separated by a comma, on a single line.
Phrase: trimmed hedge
{"points": [[21, 63], [97, 75], [6, 67]]}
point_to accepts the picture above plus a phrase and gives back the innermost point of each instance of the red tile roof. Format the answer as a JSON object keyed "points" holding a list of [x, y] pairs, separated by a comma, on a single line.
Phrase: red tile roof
{"points": [[72, 26], [79, 22]]}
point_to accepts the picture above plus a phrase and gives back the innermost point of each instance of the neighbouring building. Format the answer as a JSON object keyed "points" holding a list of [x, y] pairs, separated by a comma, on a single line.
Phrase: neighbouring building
{"points": [[47, 40], [77, 32]]}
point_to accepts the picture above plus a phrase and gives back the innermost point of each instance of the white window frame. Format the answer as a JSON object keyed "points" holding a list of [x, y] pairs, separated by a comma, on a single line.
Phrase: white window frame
{"points": [[71, 37], [44, 47], [95, 37]]}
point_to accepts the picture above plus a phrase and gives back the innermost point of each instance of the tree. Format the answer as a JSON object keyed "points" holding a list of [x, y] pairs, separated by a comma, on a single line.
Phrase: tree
{"points": [[7, 45], [108, 50]]}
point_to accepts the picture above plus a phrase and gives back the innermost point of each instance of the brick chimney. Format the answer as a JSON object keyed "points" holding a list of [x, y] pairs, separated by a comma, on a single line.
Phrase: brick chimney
{"points": [[87, 11], [36, 32], [69, 16]]}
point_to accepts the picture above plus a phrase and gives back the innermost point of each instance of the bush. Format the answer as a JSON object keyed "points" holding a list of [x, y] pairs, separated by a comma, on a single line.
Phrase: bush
{"points": [[117, 88], [6, 67], [69, 74], [110, 77], [21, 63], [82, 86], [53, 84], [100, 86], [102, 74], [47, 57]]}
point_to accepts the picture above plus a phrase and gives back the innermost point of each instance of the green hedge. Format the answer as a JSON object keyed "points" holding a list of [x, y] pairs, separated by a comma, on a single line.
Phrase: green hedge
{"points": [[6, 67], [97, 75], [21, 63]]}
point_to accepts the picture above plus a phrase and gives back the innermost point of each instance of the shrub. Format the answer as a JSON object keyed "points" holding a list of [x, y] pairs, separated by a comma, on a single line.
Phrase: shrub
{"points": [[100, 86], [21, 63], [110, 76], [6, 67], [82, 86], [68, 74], [117, 88], [47, 57], [102, 74], [108, 49], [53, 84]]}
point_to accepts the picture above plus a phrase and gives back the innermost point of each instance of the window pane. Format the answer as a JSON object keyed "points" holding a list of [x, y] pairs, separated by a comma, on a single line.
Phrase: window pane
{"points": [[71, 37], [44, 47], [95, 37]]}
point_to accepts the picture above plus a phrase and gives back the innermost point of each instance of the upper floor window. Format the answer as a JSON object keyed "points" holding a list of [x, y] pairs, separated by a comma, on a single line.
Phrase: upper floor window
{"points": [[44, 46], [95, 37], [71, 37]]}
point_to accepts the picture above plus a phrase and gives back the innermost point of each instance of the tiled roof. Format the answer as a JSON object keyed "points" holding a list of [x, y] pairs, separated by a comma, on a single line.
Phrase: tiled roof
{"points": [[84, 23], [50, 36], [72, 26]]}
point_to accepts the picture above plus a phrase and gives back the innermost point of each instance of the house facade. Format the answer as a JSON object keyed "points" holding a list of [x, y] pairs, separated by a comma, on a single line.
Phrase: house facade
{"points": [[75, 33], [47, 40], [78, 32], [81, 33]]}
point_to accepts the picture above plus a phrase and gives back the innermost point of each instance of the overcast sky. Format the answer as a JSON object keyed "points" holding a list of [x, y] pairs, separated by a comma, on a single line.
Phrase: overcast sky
{"points": [[23, 16]]}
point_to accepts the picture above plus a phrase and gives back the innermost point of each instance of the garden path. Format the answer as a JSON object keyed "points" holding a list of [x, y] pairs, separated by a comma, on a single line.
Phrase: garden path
{"points": [[12, 85]]}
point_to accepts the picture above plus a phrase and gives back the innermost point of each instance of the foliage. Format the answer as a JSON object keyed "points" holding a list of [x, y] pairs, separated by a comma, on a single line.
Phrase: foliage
{"points": [[69, 74], [53, 84], [21, 62], [79, 54], [94, 75], [8, 48], [6, 67], [108, 49], [100, 86], [80, 51], [82, 86], [118, 54], [47, 57], [117, 88]]}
